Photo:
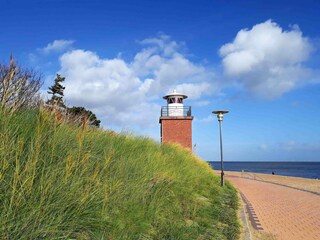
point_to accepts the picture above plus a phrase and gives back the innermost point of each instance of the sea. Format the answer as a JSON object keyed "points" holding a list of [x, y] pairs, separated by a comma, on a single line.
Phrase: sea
{"points": [[294, 169]]}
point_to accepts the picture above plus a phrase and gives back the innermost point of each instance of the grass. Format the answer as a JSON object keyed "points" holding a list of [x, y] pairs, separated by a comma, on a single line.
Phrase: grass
{"points": [[59, 181]]}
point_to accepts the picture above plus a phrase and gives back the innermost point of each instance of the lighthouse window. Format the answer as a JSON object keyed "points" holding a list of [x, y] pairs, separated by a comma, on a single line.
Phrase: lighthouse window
{"points": [[180, 100], [171, 100]]}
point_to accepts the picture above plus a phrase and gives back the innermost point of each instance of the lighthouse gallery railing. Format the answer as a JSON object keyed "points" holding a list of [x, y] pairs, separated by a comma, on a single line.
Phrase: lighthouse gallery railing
{"points": [[177, 111]]}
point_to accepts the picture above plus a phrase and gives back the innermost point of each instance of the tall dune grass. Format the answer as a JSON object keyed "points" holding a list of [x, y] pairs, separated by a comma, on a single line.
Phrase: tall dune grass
{"points": [[64, 182]]}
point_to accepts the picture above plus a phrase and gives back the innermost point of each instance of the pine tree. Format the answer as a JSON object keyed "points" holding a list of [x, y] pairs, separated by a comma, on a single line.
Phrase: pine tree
{"points": [[57, 92], [78, 113]]}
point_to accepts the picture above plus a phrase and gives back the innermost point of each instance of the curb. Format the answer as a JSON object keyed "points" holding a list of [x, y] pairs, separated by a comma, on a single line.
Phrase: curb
{"points": [[243, 216]]}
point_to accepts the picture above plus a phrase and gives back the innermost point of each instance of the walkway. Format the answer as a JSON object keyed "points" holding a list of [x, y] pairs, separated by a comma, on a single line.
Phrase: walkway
{"points": [[287, 213]]}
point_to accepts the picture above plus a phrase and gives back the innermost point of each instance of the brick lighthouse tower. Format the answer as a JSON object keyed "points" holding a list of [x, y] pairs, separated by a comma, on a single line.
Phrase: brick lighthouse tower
{"points": [[176, 121]]}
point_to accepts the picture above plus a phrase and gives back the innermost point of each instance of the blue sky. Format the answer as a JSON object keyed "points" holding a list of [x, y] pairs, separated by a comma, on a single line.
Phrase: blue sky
{"points": [[258, 59]]}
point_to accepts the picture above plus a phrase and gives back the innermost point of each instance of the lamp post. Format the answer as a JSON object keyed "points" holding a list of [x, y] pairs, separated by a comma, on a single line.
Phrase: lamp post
{"points": [[220, 118]]}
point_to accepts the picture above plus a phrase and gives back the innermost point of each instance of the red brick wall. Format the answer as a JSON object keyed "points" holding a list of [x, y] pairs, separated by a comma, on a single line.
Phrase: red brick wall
{"points": [[177, 130]]}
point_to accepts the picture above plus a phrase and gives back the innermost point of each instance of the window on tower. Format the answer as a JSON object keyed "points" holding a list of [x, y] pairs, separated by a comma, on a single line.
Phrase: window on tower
{"points": [[171, 100]]}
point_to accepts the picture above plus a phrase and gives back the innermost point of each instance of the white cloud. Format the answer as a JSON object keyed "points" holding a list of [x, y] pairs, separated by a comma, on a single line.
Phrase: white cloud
{"points": [[201, 103], [195, 91], [296, 146], [263, 146], [129, 93], [57, 46], [267, 60], [166, 45], [209, 118]]}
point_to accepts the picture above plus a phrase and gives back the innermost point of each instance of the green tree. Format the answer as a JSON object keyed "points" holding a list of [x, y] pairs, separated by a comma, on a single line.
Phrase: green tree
{"points": [[78, 114], [56, 90]]}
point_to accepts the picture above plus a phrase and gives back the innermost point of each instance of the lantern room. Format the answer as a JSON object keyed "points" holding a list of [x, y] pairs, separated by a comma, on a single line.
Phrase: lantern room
{"points": [[175, 105]]}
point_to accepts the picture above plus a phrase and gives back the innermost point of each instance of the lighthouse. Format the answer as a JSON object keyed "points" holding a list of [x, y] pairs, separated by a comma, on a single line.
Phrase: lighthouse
{"points": [[176, 121]]}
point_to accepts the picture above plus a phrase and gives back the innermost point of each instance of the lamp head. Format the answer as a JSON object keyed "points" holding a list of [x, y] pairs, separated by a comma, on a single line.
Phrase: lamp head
{"points": [[219, 114]]}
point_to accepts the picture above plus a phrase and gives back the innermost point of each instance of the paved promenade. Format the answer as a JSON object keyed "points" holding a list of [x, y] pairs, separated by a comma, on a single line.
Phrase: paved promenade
{"points": [[287, 213]]}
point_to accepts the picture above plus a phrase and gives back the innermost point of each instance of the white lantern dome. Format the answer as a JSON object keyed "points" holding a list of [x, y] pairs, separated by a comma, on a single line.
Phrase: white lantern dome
{"points": [[175, 103]]}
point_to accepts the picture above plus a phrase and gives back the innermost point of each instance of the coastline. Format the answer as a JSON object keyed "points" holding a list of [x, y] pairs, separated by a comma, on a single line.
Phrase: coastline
{"points": [[294, 169], [305, 184]]}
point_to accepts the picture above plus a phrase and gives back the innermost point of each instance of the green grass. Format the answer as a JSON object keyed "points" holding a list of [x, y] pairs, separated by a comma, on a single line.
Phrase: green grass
{"points": [[59, 181]]}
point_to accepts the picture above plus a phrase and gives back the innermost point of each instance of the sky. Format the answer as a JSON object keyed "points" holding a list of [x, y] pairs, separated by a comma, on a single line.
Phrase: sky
{"points": [[257, 59]]}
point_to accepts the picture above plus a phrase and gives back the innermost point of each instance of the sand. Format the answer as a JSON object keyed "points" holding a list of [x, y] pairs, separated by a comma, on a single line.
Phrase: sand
{"points": [[306, 184]]}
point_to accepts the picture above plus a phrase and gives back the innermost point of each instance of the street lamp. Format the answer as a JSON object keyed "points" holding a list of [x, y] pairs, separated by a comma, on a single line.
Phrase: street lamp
{"points": [[220, 118]]}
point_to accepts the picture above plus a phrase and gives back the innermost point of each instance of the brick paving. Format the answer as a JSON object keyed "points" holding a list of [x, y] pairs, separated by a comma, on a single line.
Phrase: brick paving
{"points": [[287, 213]]}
